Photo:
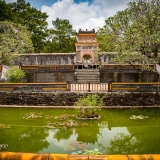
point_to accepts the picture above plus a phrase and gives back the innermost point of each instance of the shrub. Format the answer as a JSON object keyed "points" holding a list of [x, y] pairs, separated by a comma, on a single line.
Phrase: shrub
{"points": [[89, 105], [14, 74]]}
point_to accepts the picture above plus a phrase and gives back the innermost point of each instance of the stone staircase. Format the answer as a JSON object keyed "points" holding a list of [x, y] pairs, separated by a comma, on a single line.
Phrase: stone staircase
{"points": [[87, 75]]}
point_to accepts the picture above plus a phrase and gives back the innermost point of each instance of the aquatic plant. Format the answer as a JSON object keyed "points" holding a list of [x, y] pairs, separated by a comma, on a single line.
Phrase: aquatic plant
{"points": [[89, 106], [138, 117], [32, 115], [48, 117], [67, 123], [3, 126], [63, 117]]}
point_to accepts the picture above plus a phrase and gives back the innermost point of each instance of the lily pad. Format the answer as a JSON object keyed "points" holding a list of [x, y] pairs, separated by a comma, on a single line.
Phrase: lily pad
{"points": [[138, 117]]}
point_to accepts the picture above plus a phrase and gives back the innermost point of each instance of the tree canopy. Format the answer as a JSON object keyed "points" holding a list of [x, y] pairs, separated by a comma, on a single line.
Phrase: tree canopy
{"points": [[135, 30], [63, 36], [14, 39], [59, 38], [33, 19]]}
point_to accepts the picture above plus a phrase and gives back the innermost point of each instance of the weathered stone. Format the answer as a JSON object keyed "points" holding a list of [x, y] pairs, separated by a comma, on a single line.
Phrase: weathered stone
{"points": [[69, 98]]}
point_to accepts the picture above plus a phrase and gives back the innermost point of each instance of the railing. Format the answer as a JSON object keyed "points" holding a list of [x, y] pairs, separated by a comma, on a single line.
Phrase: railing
{"points": [[117, 67], [134, 87], [34, 87], [68, 67], [47, 67], [79, 87], [89, 87]]}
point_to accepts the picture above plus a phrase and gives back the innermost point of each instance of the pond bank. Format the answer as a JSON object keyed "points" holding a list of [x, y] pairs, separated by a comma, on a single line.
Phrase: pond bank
{"points": [[67, 99], [72, 107]]}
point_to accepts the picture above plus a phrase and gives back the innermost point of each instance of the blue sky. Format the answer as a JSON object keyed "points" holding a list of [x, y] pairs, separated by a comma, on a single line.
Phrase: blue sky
{"points": [[84, 14], [39, 3]]}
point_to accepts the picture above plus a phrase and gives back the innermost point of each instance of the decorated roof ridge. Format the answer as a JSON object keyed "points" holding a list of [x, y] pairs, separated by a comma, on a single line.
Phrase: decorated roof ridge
{"points": [[86, 31]]}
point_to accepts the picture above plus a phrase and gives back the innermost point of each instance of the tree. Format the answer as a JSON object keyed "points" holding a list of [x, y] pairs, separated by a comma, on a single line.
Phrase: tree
{"points": [[63, 35], [136, 30], [14, 74], [107, 41], [34, 20], [5, 11], [14, 39], [37, 25]]}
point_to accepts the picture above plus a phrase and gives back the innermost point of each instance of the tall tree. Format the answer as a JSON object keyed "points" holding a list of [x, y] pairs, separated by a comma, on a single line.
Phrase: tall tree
{"points": [[136, 29], [5, 11], [107, 40], [63, 35], [14, 39], [33, 19]]}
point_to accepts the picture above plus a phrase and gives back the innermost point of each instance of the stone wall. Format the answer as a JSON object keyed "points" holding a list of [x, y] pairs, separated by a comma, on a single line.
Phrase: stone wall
{"points": [[128, 77], [69, 98], [38, 77], [56, 58], [45, 59]]}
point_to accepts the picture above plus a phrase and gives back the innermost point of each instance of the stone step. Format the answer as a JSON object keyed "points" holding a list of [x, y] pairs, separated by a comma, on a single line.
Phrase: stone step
{"points": [[91, 79], [87, 75], [80, 79], [86, 70], [87, 80], [79, 73]]}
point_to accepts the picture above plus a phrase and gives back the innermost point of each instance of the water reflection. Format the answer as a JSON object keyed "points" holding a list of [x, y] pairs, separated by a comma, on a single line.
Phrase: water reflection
{"points": [[24, 139], [114, 133], [62, 133], [91, 134]]}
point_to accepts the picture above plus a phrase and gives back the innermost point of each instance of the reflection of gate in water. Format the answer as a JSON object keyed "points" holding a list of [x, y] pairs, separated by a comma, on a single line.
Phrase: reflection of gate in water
{"points": [[89, 87]]}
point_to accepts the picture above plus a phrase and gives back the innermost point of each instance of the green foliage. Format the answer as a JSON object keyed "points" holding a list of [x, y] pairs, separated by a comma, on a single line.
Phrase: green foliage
{"points": [[14, 74], [89, 105], [62, 36], [86, 56], [33, 19], [90, 100], [14, 39], [133, 58], [107, 41], [5, 11], [135, 29]]}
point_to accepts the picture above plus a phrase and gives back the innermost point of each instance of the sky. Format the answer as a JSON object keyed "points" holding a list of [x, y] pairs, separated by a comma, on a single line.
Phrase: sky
{"points": [[82, 14]]}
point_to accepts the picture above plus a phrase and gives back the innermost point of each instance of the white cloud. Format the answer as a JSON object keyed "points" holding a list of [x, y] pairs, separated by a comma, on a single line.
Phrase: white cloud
{"points": [[10, 1], [84, 15]]}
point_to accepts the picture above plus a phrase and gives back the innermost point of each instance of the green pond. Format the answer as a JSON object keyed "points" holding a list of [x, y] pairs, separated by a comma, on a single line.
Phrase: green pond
{"points": [[118, 131]]}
